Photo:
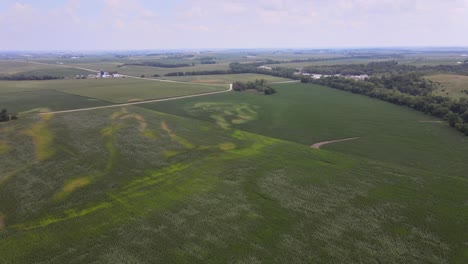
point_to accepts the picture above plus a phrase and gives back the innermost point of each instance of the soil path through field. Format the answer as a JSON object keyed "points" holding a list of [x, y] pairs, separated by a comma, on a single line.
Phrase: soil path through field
{"points": [[320, 144], [137, 103]]}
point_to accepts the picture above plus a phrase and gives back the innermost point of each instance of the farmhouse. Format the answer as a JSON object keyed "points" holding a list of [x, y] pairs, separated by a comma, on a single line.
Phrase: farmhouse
{"points": [[264, 67]]}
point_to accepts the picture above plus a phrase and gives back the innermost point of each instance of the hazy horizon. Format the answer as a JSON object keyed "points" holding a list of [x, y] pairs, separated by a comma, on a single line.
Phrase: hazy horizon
{"points": [[123, 25]]}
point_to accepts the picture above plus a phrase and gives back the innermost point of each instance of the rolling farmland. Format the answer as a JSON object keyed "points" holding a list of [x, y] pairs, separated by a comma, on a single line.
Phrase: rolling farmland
{"points": [[227, 177]]}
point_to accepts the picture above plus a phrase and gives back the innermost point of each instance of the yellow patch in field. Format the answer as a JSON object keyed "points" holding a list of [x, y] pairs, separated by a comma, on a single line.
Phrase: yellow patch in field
{"points": [[141, 120], [182, 141], [150, 134], [42, 138], [226, 114], [227, 146], [69, 214], [72, 185], [110, 130], [7, 176], [4, 147], [170, 153]]}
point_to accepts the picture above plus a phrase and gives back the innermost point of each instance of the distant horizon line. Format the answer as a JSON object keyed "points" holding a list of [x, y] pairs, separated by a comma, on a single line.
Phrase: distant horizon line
{"points": [[237, 49]]}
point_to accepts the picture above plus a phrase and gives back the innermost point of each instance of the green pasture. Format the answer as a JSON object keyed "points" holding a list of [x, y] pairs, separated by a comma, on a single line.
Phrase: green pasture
{"points": [[451, 85], [129, 185]]}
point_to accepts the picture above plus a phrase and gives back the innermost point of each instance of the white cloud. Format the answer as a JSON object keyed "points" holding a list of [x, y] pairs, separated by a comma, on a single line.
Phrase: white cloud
{"points": [[126, 24]]}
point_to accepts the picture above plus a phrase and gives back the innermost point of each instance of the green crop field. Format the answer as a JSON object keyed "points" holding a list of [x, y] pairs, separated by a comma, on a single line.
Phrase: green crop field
{"points": [[226, 78], [451, 85], [307, 114], [225, 178], [17, 102], [116, 90], [25, 68], [133, 185]]}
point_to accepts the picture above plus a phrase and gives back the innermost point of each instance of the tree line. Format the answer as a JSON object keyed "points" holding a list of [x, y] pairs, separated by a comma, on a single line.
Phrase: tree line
{"points": [[408, 90], [258, 85], [22, 77], [5, 116]]}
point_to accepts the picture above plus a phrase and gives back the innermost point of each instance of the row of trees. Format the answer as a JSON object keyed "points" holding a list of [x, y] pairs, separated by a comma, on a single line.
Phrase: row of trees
{"points": [[5, 116], [259, 85], [454, 111], [22, 77]]}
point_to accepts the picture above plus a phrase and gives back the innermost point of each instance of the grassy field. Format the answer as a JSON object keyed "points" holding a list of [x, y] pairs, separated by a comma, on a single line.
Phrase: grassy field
{"points": [[116, 90], [451, 85], [132, 185], [226, 78]]}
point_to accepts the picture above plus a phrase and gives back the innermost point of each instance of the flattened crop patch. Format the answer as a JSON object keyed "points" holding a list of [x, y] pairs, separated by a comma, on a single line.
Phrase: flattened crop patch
{"points": [[42, 138], [225, 114]]}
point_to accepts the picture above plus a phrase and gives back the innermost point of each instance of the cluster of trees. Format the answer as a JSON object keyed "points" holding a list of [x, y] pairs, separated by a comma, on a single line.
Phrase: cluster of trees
{"points": [[158, 64], [207, 60], [258, 85], [407, 90], [22, 77], [5, 116]]}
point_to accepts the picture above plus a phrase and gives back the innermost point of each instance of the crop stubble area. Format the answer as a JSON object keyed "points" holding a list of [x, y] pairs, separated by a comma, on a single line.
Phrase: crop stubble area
{"points": [[228, 177]]}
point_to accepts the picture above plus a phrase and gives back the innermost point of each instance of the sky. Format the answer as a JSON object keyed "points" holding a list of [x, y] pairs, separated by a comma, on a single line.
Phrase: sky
{"points": [[221, 24]]}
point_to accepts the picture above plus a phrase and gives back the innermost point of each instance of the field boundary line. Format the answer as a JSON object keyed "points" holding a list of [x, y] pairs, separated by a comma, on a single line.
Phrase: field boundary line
{"points": [[320, 144], [136, 103]]}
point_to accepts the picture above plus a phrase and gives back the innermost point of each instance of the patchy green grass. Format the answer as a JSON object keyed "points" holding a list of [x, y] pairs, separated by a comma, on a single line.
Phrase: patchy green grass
{"points": [[451, 85]]}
